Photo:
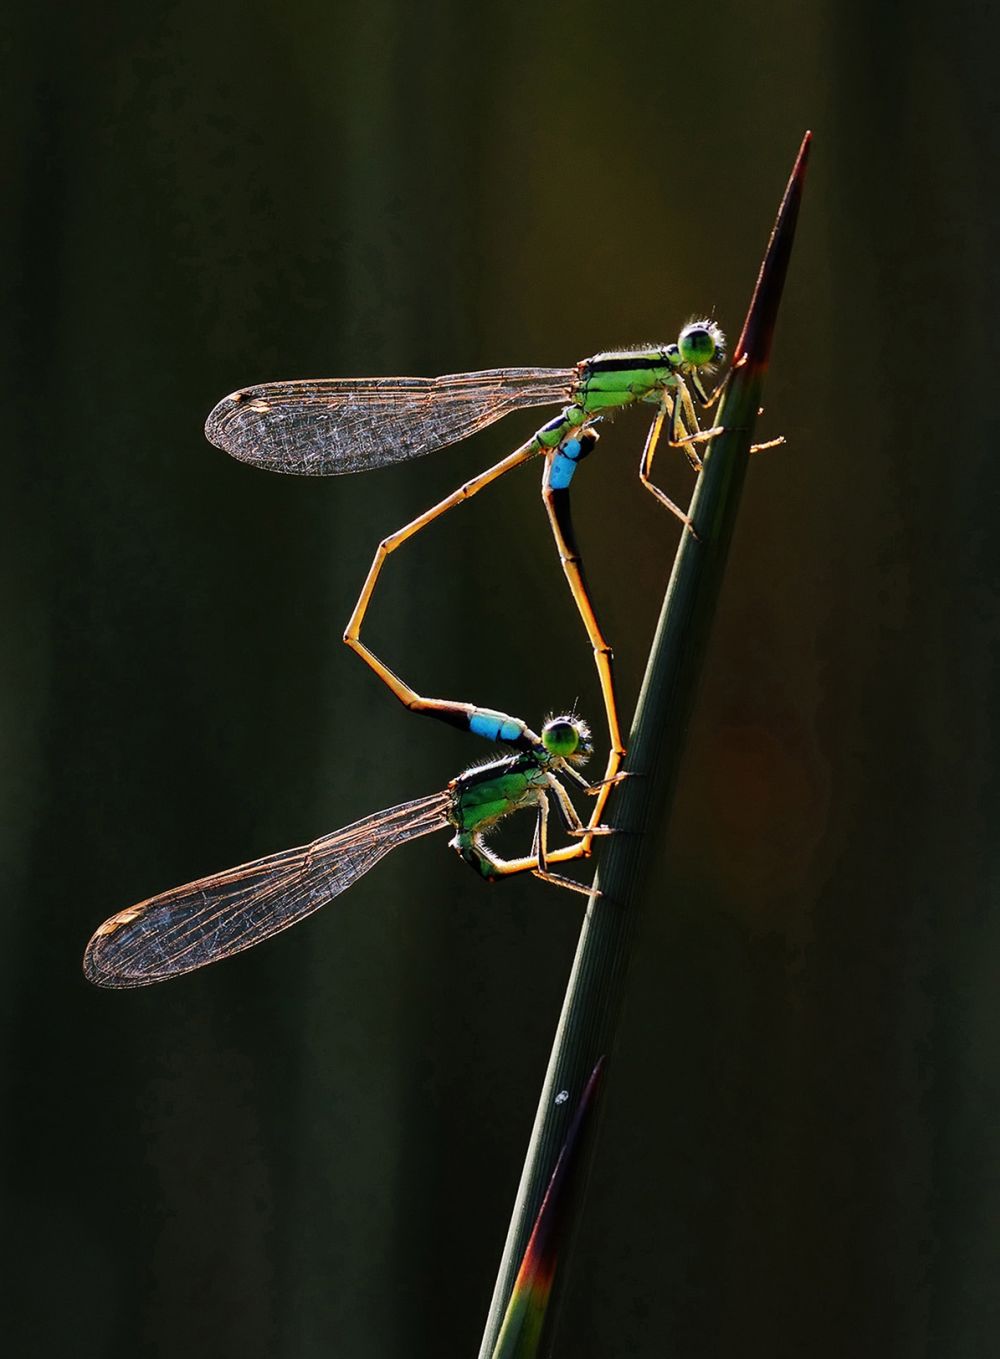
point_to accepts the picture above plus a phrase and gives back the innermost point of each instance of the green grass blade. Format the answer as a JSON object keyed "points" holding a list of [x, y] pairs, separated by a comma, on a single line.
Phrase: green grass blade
{"points": [[523, 1325], [593, 1001]]}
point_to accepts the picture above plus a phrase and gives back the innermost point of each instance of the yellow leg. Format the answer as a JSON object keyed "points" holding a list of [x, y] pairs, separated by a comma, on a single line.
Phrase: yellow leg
{"points": [[557, 508], [352, 635], [508, 868], [540, 858], [646, 463], [685, 430], [706, 400], [558, 880], [709, 401]]}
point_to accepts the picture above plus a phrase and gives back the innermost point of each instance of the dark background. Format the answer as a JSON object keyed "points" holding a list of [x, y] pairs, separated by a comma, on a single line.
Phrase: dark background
{"points": [[313, 1149]]}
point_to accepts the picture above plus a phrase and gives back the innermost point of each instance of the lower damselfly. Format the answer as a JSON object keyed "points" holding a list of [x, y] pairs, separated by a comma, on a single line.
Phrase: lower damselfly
{"points": [[217, 916], [322, 427]]}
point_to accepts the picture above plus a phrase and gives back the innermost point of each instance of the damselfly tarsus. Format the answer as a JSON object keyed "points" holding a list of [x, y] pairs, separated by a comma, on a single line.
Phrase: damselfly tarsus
{"points": [[204, 921], [324, 427]]}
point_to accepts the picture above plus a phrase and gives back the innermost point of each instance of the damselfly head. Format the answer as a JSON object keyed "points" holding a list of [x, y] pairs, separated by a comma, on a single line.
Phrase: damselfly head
{"points": [[701, 344], [568, 738]]}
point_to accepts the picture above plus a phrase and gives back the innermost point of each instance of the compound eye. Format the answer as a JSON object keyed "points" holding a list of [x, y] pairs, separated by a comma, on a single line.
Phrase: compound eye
{"points": [[561, 736], [701, 342]]}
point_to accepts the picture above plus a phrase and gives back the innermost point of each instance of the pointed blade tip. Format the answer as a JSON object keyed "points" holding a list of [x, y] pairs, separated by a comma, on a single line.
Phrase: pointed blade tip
{"points": [[754, 345]]}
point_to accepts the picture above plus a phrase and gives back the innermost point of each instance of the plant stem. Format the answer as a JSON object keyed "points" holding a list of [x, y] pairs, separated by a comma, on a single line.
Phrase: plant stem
{"points": [[596, 988]]}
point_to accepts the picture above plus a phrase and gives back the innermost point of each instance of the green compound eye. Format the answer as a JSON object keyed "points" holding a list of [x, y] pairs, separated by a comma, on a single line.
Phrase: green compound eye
{"points": [[701, 342], [563, 736]]}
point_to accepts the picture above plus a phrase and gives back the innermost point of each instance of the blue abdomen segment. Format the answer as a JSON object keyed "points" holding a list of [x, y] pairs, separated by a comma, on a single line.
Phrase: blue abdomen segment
{"points": [[570, 453], [562, 467], [496, 726]]}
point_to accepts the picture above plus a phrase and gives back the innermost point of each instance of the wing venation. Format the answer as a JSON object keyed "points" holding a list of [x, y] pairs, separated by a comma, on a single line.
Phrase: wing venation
{"points": [[227, 912], [325, 426]]}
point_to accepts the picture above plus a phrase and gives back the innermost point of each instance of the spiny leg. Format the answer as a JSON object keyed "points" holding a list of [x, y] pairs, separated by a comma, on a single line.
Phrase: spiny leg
{"points": [[542, 846], [646, 462], [685, 430], [508, 868], [708, 401], [540, 858], [568, 814], [454, 713], [557, 507]]}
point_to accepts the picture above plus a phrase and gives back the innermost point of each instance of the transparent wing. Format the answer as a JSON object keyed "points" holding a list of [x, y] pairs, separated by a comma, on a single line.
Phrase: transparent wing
{"points": [[206, 920], [326, 426]]}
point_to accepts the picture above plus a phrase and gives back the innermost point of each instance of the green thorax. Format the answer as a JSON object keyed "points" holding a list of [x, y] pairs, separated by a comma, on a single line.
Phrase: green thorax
{"points": [[618, 379], [484, 795]]}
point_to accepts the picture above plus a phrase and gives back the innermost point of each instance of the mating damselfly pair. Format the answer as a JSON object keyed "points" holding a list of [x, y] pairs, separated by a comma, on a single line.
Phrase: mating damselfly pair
{"points": [[326, 427]]}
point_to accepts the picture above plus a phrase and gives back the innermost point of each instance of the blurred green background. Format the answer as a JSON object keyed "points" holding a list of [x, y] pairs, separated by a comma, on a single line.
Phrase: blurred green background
{"points": [[313, 1150]]}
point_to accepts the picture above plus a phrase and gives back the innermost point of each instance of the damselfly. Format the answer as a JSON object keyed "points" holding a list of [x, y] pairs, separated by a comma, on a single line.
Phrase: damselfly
{"points": [[327, 426], [217, 916]]}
